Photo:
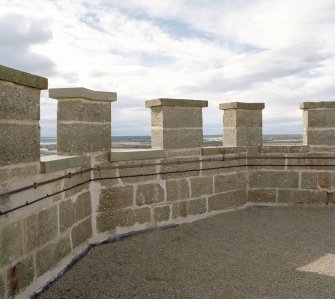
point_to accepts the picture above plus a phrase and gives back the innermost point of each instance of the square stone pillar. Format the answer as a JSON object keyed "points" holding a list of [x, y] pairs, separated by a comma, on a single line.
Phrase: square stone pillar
{"points": [[83, 120], [19, 116], [176, 124], [242, 124], [319, 123]]}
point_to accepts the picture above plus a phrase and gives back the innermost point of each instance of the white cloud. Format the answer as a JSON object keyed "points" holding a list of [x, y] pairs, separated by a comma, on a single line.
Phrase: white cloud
{"points": [[278, 52]]}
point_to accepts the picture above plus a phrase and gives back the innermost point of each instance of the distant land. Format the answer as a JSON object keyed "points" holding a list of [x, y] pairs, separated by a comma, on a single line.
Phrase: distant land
{"points": [[48, 144]]}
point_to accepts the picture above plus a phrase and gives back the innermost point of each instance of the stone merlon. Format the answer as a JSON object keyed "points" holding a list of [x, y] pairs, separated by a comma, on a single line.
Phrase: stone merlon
{"points": [[22, 78], [175, 102], [80, 92], [240, 105], [316, 105]]}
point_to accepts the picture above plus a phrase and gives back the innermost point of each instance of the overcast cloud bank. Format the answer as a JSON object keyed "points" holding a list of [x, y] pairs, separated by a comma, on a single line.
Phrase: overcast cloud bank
{"points": [[277, 52]]}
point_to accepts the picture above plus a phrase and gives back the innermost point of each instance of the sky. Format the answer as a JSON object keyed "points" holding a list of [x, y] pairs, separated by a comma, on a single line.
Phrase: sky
{"points": [[280, 52]]}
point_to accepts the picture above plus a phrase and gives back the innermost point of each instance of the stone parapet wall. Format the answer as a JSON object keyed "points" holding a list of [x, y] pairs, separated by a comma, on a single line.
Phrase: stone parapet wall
{"points": [[53, 209], [293, 178], [83, 120]]}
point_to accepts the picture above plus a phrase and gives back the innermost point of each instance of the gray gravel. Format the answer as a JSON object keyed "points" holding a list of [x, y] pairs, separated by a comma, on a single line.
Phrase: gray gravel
{"points": [[251, 253]]}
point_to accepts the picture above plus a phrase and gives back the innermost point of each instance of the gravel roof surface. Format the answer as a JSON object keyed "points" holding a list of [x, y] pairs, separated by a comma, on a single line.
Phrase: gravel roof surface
{"points": [[268, 252]]}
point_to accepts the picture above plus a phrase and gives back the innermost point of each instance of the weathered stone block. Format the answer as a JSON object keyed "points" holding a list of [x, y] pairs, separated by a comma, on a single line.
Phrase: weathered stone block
{"points": [[136, 154], [241, 105], [322, 149], [274, 179], [82, 93], [24, 171], [19, 102], [201, 186], [262, 195], [19, 143], [137, 174], [325, 180], [82, 206], [81, 232], [79, 110], [20, 276], [161, 213], [47, 224], [176, 117], [330, 197], [52, 254], [184, 152], [319, 137], [112, 175], [180, 209], [22, 78], [71, 184], [66, 215], [177, 190], [228, 182], [242, 124], [302, 196], [82, 138], [11, 243], [229, 165], [214, 167], [30, 233], [242, 118], [197, 206], [168, 102], [142, 215], [267, 163], [149, 193], [308, 180], [116, 198], [284, 149], [319, 164], [5, 200], [178, 168], [227, 200], [176, 138], [2, 287], [319, 118], [242, 136], [111, 220], [297, 164], [55, 163]]}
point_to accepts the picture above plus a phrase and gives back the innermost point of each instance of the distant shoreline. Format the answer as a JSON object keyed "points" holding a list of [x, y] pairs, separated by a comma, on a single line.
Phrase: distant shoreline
{"points": [[48, 145]]}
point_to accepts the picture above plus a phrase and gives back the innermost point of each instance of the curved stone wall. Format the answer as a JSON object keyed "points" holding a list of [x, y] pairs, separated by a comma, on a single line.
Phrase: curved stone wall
{"points": [[53, 209]]}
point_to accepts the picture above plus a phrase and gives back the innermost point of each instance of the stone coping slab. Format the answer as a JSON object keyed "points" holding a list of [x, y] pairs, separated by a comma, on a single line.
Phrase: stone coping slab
{"points": [[285, 149], [222, 150], [23, 78], [81, 92], [315, 105], [240, 105], [175, 102], [212, 150], [290, 149], [56, 163], [136, 154]]}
